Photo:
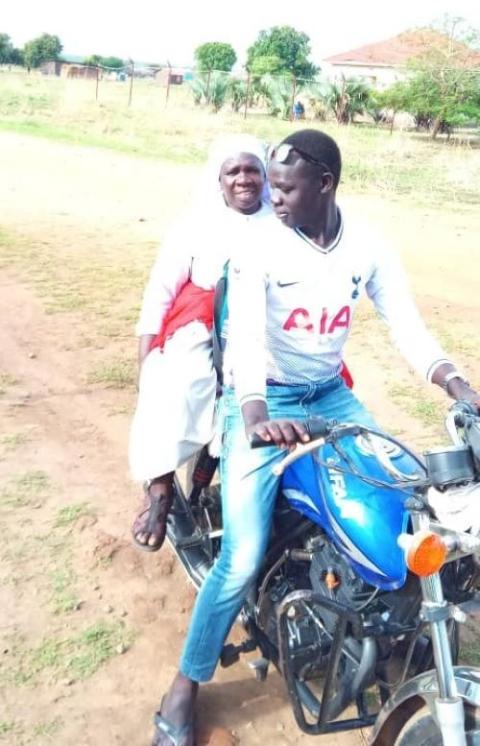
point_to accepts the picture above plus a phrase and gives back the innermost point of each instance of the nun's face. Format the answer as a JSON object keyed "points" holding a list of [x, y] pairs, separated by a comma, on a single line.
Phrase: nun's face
{"points": [[241, 180]]}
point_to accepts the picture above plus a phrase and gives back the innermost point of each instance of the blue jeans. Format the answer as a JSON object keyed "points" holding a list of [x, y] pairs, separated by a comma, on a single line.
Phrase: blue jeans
{"points": [[249, 490]]}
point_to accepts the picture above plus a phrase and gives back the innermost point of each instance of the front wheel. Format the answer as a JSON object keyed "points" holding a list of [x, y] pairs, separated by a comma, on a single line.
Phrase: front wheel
{"points": [[422, 730]]}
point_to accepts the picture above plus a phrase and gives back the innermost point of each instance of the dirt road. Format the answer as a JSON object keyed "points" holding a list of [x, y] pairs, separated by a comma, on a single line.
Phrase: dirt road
{"points": [[90, 628]]}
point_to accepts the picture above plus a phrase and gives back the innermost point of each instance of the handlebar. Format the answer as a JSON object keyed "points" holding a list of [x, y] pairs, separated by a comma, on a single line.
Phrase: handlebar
{"points": [[316, 427], [463, 411], [464, 415]]}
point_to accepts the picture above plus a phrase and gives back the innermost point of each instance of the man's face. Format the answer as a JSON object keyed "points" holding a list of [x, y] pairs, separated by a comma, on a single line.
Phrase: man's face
{"points": [[242, 179], [295, 192]]}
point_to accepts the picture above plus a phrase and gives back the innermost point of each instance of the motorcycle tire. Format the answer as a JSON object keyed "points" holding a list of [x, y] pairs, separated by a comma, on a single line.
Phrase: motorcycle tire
{"points": [[422, 730]]}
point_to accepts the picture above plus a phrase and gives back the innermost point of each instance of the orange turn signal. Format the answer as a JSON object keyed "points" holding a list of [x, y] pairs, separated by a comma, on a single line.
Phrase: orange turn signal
{"points": [[426, 554]]}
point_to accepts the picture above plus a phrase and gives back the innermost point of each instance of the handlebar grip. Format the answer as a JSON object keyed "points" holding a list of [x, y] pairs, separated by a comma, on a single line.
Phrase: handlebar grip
{"points": [[462, 409], [257, 442], [317, 427]]}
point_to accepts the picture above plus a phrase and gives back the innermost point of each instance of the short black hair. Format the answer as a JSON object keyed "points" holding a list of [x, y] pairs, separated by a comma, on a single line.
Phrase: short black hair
{"points": [[320, 146]]}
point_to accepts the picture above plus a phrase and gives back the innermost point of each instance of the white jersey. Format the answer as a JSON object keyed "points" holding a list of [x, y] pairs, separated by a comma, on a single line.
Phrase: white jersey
{"points": [[291, 307]]}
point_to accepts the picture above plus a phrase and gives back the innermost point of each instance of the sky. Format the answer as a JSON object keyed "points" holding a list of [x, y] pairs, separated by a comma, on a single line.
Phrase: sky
{"points": [[154, 31]]}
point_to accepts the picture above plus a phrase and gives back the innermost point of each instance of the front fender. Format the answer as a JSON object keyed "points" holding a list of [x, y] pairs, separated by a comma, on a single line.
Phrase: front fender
{"points": [[416, 693]]}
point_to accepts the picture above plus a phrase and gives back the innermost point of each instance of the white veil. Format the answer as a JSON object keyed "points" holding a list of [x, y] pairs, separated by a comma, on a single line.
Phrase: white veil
{"points": [[208, 194]]}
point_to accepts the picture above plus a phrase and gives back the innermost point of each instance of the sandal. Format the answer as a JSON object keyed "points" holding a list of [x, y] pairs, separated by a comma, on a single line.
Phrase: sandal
{"points": [[156, 508], [164, 728]]}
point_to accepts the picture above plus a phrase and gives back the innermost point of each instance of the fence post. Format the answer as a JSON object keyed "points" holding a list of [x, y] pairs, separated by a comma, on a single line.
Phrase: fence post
{"points": [[294, 92], [132, 74], [96, 84], [167, 93], [209, 75], [247, 96]]}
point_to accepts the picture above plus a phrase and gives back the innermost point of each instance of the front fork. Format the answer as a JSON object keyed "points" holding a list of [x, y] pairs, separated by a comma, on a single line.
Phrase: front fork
{"points": [[436, 612]]}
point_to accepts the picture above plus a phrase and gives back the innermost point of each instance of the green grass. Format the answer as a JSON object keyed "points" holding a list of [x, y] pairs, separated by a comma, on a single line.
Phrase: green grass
{"points": [[6, 380], [414, 402], [469, 654], [68, 515], [62, 576], [117, 374], [25, 489], [48, 729], [78, 656], [121, 410], [63, 598], [101, 285], [401, 165], [6, 727], [12, 441], [458, 339]]}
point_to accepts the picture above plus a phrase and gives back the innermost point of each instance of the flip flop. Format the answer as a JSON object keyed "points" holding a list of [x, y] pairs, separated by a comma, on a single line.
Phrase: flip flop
{"points": [[164, 728], [157, 510]]}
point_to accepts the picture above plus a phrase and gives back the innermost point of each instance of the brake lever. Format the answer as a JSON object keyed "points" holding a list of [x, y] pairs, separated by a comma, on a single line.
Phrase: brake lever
{"points": [[453, 421], [301, 449]]}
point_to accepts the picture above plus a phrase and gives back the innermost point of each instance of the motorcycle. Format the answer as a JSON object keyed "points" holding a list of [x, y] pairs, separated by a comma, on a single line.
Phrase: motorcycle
{"points": [[371, 566]]}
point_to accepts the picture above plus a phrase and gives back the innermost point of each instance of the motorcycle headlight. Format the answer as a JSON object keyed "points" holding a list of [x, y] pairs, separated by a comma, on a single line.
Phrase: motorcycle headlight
{"points": [[457, 507]]}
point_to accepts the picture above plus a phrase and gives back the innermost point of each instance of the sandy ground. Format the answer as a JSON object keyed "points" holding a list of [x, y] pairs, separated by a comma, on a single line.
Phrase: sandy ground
{"points": [[63, 201]]}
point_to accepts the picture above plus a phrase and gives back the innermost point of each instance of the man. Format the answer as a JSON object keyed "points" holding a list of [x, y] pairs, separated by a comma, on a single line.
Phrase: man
{"points": [[291, 309]]}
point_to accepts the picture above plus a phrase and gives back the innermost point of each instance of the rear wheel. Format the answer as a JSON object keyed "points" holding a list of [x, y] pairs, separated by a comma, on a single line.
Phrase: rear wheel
{"points": [[422, 730]]}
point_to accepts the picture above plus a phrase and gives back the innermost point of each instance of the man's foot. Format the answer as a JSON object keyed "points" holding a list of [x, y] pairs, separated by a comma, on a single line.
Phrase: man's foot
{"points": [[150, 525], [174, 723]]}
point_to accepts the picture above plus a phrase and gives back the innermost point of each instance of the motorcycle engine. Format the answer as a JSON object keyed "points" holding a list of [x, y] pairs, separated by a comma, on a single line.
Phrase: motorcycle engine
{"points": [[349, 589], [310, 627], [308, 641]]}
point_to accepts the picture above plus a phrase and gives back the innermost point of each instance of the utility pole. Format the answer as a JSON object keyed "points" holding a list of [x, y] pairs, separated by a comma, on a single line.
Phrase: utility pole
{"points": [[247, 96], [169, 77], [294, 93], [96, 84], [132, 74]]}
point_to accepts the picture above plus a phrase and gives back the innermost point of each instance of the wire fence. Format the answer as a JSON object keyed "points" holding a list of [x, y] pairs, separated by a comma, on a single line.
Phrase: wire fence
{"points": [[285, 94], [213, 87]]}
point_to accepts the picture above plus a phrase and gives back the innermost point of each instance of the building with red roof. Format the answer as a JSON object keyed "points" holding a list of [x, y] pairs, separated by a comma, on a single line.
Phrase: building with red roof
{"points": [[385, 62]]}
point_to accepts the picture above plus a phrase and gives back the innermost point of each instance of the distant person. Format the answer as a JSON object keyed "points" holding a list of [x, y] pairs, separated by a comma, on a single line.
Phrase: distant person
{"points": [[174, 417], [298, 110]]}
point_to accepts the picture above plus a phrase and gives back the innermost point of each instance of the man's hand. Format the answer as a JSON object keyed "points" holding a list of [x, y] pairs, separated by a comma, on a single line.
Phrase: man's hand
{"points": [[457, 388], [461, 391], [281, 433]]}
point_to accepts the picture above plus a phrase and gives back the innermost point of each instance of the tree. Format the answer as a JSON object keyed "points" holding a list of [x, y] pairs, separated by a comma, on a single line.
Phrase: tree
{"points": [[42, 48], [215, 55], [443, 88], [285, 49], [278, 92], [385, 104], [238, 92], [348, 98], [96, 60], [93, 60], [267, 64], [317, 93], [211, 88], [219, 87], [6, 49], [114, 62], [16, 57]]}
